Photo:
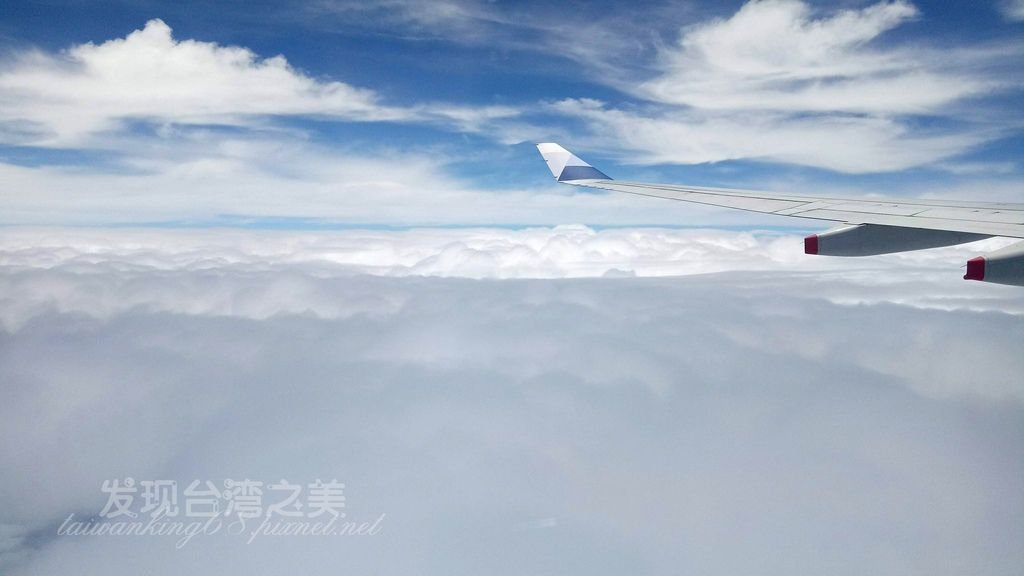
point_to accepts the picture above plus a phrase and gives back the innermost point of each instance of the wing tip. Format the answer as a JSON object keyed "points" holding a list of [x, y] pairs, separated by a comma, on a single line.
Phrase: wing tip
{"points": [[566, 166]]}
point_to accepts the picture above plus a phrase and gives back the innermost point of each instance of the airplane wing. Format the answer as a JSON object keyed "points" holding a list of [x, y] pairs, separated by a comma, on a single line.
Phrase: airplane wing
{"points": [[868, 226]]}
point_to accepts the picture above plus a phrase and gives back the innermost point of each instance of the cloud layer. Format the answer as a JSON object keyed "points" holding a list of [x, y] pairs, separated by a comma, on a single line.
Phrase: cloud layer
{"points": [[541, 252], [733, 422]]}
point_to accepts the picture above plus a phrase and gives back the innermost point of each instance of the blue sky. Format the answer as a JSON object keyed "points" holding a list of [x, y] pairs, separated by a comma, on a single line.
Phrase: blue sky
{"points": [[405, 113]]}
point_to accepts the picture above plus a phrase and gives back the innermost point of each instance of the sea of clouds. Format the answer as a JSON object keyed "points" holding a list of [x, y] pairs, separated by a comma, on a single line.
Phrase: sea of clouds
{"points": [[549, 400]]}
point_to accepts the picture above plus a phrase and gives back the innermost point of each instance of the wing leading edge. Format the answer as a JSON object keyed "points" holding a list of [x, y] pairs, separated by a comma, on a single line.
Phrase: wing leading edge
{"points": [[867, 226]]}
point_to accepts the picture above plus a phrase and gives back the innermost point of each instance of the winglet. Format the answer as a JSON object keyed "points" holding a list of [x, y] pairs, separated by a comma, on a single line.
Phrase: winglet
{"points": [[566, 166]]}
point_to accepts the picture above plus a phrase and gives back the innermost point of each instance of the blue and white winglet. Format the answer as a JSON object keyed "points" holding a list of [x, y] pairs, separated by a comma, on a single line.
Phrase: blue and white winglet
{"points": [[867, 226], [566, 166]]}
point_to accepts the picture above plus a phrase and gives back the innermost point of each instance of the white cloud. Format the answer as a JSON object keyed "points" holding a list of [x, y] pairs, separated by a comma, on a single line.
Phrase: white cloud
{"points": [[653, 418], [92, 90], [218, 263], [192, 175], [465, 21], [1013, 10], [783, 82], [981, 168], [840, 143], [776, 55], [198, 175], [151, 76], [605, 40]]}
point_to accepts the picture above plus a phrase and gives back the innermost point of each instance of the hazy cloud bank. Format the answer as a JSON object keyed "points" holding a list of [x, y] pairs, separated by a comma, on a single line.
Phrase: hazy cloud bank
{"points": [[733, 422]]}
